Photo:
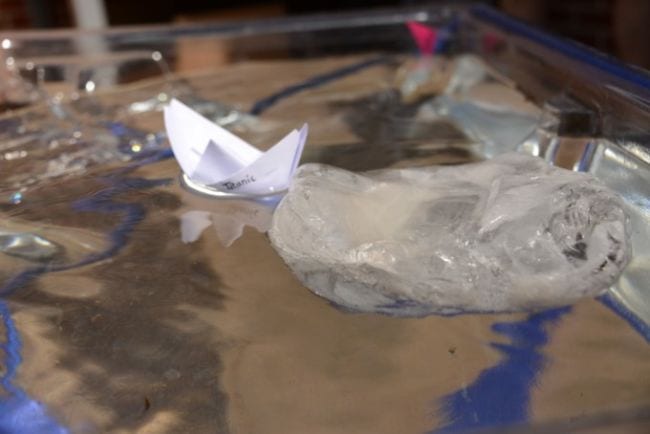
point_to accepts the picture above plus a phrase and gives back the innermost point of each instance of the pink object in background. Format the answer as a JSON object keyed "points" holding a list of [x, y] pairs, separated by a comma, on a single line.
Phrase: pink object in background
{"points": [[425, 37]]}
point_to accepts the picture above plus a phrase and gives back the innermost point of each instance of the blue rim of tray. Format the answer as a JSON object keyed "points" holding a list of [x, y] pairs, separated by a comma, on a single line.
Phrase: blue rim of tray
{"points": [[569, 48]]}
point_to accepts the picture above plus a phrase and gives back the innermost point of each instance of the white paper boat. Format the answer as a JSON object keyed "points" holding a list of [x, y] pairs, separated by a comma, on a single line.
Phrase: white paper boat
{"points": [[213, 157]]}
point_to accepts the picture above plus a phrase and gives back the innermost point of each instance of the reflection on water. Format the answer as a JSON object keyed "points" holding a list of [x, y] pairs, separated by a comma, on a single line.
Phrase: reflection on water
{"points": [[149, 321], [228, 217], [522, 363]]}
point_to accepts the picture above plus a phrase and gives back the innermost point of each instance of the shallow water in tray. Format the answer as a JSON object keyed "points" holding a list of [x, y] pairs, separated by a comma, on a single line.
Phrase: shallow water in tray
{"points": [[131, 305]]}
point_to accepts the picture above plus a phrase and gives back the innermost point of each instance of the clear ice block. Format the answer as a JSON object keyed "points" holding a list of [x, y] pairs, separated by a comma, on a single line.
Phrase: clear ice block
{"points": [[511, 233]]}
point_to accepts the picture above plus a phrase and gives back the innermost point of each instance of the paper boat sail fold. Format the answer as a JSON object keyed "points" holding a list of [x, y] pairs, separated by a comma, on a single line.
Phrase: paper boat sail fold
{"points": [[211, 155]]}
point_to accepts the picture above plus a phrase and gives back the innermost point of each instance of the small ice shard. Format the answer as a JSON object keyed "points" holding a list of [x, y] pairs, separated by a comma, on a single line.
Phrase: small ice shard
{"points": [[507, 234], [432, 75], [498, 130], [212, 156], [28, 246], [422, 77], [468, 72]]}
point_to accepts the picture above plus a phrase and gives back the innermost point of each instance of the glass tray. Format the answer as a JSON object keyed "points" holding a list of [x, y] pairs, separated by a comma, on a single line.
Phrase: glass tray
{"points": [[131, 304]]}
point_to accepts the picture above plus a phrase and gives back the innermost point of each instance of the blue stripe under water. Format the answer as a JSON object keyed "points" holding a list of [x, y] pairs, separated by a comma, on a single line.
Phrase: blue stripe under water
{"points": [[500, 396], [11, 349], [587, 155], [642, 327], [265, 103], [20, 414]]}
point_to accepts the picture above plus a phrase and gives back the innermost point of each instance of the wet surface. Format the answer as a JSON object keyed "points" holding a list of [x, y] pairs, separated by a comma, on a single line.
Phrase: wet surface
{"points": [[137, 326]]}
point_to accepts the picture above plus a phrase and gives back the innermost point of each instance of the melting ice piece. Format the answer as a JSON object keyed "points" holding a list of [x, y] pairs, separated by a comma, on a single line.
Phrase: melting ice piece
{"points": [[212, 156], [507, 234], [422, 77], [497, 129], [28, 246], [426, 76], [468, 72]]}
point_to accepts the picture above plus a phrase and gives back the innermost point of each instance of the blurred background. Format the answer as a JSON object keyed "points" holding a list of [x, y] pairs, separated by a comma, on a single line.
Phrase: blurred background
{"points": [[618, 27]]}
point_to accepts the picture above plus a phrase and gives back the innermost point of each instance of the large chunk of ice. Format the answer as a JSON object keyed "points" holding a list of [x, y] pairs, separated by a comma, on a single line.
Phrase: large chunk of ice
{"points": [[506, 234]]}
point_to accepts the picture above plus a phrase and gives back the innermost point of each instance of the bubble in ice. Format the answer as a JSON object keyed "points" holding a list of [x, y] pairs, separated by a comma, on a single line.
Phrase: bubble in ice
{"points": [[507, 234]]}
